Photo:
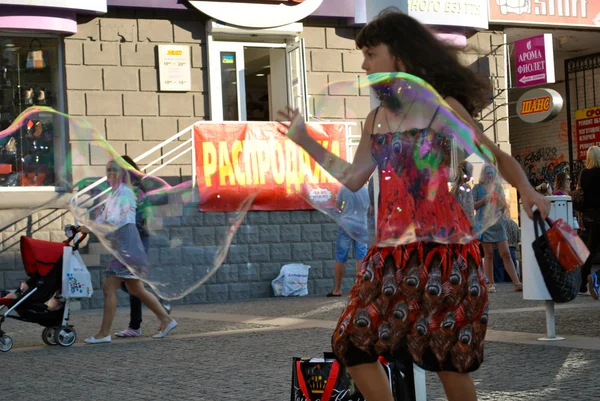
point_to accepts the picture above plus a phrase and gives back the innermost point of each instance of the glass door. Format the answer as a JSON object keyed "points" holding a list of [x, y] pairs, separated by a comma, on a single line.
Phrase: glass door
{"points": [[227, 82], [296, 71]]}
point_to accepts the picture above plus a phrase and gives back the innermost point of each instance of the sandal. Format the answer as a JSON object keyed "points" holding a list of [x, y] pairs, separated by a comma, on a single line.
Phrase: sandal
{"points": [[518, 287], [331, 294], [491, 288], [129, 332]]}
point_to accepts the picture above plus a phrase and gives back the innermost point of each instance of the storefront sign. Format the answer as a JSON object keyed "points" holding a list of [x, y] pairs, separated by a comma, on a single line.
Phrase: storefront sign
{"points": [[539, 105], [237, 161], [546, 12], [470, 14], [587, 122], [265, 14], [534, 59], [83, 5], [174, 68]]}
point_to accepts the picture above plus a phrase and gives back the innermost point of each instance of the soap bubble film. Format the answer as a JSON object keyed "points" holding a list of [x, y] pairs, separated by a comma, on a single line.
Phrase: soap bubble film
{"points": [[421, 195], [188, 230]]}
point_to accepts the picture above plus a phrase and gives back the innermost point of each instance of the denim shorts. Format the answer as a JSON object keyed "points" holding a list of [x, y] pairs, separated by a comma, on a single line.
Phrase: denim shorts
{"points": [[343, 244]]}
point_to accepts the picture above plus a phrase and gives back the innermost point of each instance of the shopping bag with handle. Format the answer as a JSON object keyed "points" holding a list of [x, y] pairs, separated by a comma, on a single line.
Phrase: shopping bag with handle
{"points": [[76, 279]]}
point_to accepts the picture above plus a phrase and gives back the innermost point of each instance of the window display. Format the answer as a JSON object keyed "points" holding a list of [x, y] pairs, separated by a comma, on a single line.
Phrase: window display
{"points": [[29, 76]]}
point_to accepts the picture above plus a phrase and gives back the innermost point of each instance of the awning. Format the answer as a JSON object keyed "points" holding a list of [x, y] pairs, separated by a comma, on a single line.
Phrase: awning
{"points": [[38, 19]]}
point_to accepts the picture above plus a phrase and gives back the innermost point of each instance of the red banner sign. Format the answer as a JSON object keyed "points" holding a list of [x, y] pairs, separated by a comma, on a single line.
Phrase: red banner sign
{"points": [[588, 130], [237, 161]]}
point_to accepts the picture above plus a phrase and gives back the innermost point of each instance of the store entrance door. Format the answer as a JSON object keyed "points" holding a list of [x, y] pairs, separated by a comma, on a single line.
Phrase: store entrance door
{"points": [[250, 80]]}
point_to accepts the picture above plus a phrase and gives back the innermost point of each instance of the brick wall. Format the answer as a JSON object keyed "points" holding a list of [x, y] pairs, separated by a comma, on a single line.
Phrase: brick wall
{"points": [[333, 76], [111, 80]]}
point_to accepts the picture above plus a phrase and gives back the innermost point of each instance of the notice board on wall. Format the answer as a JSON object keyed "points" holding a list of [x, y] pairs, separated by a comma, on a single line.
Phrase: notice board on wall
{"points": [[174, 68]]}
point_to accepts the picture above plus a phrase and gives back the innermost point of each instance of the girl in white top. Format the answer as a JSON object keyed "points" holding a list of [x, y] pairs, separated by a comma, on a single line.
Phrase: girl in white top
{"points": [[118, 213]]}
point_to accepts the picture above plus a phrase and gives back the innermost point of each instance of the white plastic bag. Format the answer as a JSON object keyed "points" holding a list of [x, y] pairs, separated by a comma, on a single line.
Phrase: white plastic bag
{"points": [[76, 279], [292, 281]]}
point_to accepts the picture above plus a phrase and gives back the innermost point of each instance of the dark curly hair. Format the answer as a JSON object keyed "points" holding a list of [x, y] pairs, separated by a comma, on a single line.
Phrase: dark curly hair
{"points": [[426, 57]]}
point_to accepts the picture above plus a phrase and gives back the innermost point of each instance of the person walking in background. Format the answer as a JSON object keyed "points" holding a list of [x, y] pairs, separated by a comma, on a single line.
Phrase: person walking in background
{"points": [[513, 237], [562, 184], [119, 213], [494, 235], [589, 181], [462, 190], [134, 329], [353, 208]]}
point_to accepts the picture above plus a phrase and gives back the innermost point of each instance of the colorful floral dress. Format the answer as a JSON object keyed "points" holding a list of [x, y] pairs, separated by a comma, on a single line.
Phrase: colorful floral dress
{"points": [[426, 297]]}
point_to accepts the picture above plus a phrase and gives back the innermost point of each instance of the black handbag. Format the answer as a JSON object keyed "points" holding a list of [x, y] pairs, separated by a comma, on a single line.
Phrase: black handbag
{"points": [[562, 285], [324, 379]]}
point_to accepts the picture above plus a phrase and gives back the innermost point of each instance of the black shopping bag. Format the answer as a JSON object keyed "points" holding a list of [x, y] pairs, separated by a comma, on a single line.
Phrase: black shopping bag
{"points": [[563, 282], [324, 379]]}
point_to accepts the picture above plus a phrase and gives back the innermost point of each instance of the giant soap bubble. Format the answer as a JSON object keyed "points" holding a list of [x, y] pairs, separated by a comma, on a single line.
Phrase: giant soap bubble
{"points": [[418, 194], [196, 226]]}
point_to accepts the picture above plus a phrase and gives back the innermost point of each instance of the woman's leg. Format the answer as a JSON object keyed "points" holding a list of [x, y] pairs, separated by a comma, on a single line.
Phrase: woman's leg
{"points": [[371, 380], [488, 261], [110, 287], [458, 386], [136, 288], [509, 266]]}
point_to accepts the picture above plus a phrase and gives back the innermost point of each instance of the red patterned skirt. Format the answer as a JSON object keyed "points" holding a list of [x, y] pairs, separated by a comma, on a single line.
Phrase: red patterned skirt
{"points": [[423, 298]]}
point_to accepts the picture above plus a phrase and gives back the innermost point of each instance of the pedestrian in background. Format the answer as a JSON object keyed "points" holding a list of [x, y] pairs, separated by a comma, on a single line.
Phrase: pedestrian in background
{"points": [[353, 208], [134, 329]]}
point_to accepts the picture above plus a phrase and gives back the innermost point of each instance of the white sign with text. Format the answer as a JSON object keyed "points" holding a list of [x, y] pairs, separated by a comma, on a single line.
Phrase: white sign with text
{"points": [[174, 68]]}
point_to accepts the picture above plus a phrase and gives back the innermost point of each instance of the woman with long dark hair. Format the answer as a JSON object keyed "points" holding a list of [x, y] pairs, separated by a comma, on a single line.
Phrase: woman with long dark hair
{"points": [[390, 316]]}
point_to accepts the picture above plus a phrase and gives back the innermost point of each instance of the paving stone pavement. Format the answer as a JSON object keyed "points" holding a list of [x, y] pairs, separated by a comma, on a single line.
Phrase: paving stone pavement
{"points": [[242, 351]]}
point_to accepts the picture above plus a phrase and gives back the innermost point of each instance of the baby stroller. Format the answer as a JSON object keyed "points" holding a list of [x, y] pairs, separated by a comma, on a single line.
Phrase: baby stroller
{"points": [[43, 264]]}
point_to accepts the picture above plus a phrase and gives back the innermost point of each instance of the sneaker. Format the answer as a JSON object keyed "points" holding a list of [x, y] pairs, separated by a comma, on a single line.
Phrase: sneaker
{"points": [[129, 332], [593, 285]]}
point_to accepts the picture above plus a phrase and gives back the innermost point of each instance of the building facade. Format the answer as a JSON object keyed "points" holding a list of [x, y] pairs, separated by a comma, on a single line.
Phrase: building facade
{"points": [[102, 65]]}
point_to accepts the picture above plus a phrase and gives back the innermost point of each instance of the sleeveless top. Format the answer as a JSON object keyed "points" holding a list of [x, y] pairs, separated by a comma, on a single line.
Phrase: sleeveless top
{"points": [[414, 200]]}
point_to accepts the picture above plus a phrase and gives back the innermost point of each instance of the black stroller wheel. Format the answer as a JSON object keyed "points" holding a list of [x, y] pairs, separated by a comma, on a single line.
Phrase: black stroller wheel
{"points": [[6, 343], [65, 336], [48, 335]]}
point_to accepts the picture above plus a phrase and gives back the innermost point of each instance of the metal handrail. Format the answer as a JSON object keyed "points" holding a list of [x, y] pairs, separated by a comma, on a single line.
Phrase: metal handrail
{"points": [[189, 143]]}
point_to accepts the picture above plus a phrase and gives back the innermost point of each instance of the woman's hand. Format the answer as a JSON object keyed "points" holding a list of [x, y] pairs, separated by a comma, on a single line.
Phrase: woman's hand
{"points": [[531, 198], [292, 125]]}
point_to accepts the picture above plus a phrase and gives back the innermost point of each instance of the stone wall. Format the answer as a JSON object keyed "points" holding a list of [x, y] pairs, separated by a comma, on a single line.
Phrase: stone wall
{"points": [[112, 81]]}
